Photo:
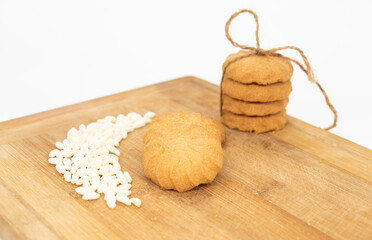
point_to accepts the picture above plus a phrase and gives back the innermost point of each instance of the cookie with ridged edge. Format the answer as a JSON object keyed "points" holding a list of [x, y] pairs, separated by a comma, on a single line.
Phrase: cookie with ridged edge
{"points": [[183, 150], [255, 124], [253, 108], [256, 93], [258, 69]]}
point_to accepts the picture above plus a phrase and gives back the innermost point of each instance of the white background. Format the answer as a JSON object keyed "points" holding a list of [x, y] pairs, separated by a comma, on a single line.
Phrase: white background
{"points": [[54, 53]]}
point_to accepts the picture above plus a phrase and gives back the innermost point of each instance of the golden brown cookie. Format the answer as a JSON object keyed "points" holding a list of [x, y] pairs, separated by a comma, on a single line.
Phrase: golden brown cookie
{"points": [[256, 93], [180, 154], [258, 69], [253, 108], [255, 124]]}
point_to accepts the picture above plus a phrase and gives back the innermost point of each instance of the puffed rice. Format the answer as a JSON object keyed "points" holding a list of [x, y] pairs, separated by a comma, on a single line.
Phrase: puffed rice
{"points": [[89, 157]]}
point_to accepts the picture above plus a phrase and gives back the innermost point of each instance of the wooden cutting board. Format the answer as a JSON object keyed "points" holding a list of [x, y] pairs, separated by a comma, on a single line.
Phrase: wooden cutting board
{"points": [[297, 183]]}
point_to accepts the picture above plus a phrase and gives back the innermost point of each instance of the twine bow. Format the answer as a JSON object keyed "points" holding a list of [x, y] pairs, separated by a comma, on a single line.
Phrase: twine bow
{"points": [[273, 52]]}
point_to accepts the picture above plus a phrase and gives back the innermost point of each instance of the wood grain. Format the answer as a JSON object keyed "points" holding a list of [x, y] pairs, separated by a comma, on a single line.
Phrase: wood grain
{"points": [[298, 183]]}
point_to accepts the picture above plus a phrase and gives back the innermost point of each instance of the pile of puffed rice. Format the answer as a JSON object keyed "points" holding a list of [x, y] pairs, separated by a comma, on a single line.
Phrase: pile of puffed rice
{"points": [[88, 157]]}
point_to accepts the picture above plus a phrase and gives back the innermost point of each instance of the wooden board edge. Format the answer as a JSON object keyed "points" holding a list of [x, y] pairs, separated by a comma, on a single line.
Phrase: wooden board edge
{"points": [[24, 120]]}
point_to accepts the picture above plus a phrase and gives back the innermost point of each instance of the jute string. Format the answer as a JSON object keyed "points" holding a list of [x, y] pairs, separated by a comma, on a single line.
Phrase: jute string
{"points": [[273, 52]]}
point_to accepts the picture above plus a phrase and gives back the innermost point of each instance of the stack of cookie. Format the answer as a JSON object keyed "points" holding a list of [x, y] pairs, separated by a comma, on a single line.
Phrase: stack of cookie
{"points": [[255, 92]]}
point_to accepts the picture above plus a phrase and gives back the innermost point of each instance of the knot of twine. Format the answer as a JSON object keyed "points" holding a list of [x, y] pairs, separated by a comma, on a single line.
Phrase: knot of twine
{"points": [[274, 52]]}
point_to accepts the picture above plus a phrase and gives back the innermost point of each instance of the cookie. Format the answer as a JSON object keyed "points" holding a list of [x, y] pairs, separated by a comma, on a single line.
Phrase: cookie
{"points": [[258, 69], [256, 93], [255, 124], [253, 108], [180, 154]]}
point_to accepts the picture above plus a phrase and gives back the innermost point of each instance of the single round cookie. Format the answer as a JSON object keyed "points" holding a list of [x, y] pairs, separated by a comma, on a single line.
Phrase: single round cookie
{"points": [[258, 69], [256, 93], [253, 108], [255, 124], [183, 150]]}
